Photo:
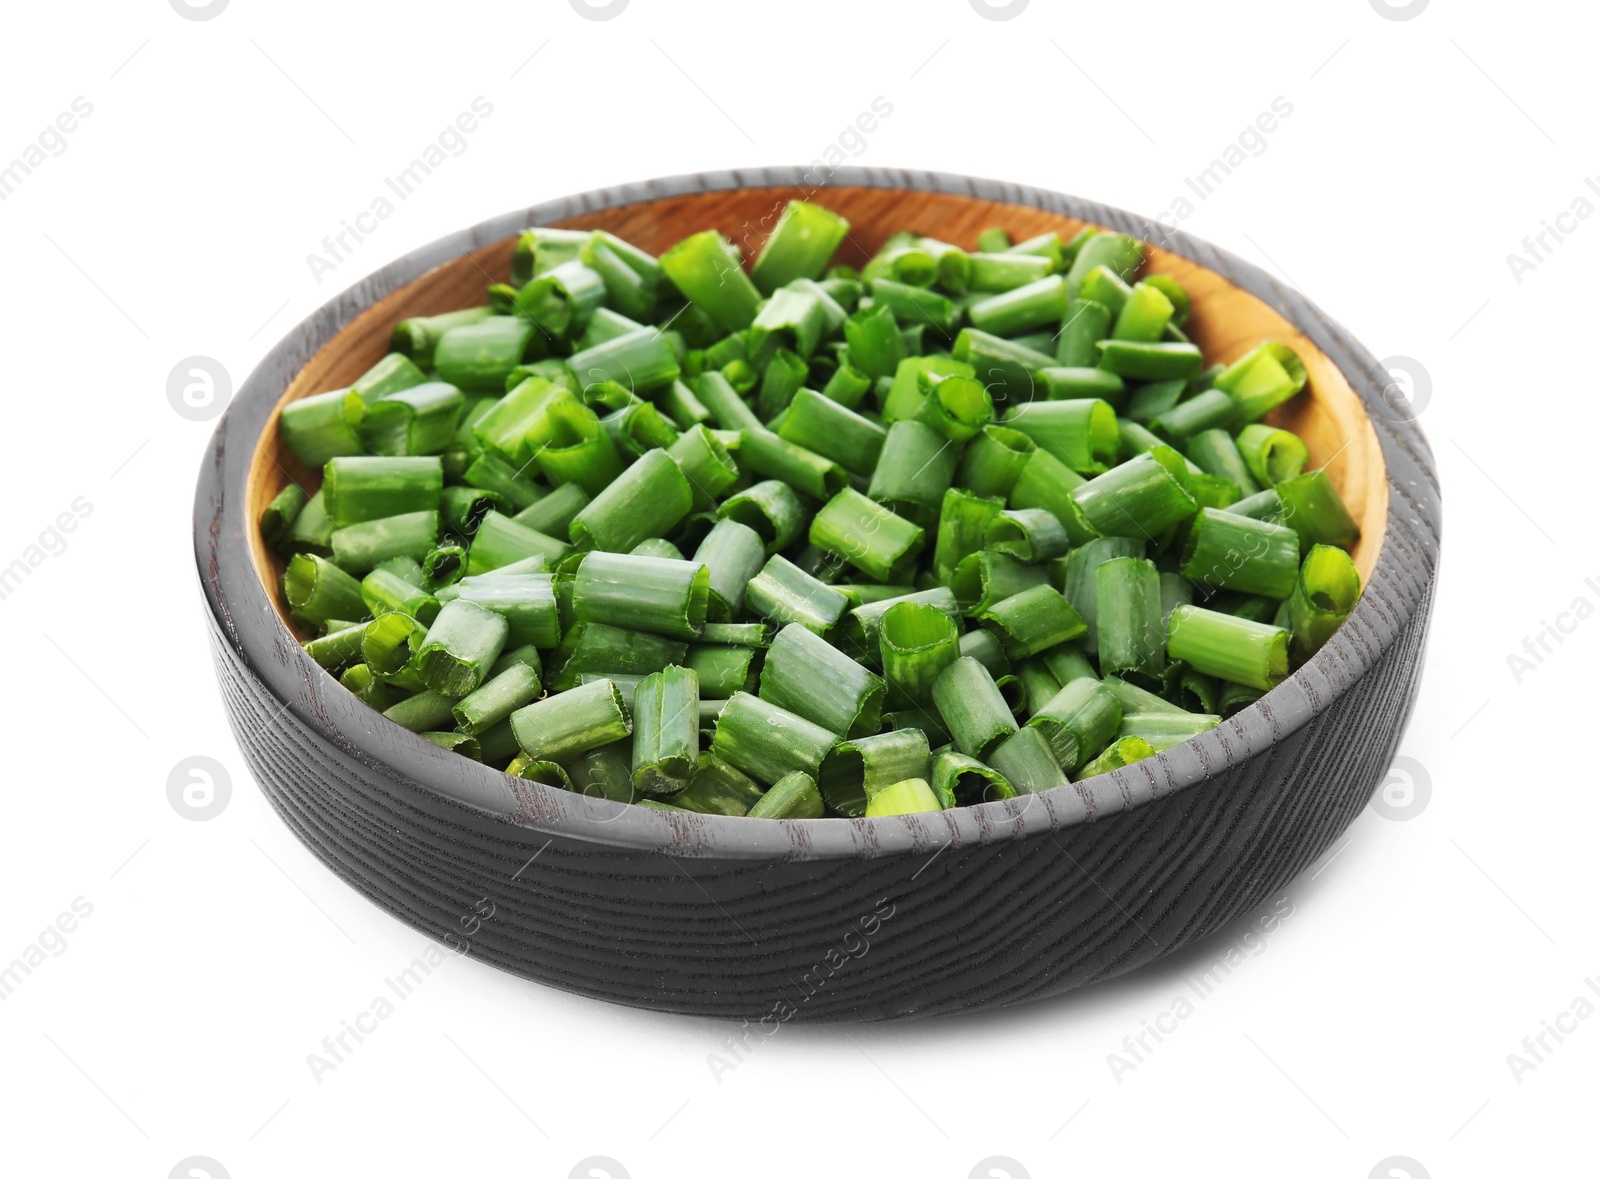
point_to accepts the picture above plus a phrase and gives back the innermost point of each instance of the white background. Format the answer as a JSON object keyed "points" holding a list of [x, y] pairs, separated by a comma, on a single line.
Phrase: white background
{"points": [[1375, 1022]]}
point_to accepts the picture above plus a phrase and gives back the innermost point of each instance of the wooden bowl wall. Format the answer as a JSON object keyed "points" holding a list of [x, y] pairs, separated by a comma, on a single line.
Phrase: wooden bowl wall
{"points": [[986, 905]]}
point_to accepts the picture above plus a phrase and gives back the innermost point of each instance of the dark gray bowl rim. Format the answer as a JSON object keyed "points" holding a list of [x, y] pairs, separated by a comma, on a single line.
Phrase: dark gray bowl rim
{"points": [[235, 594]]}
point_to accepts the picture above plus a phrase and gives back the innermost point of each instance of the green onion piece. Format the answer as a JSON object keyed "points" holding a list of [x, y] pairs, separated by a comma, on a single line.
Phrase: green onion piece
{"points": [[1026, 760], [500, 540], [490, 472], [793, 796], [866, 534], [418, 336], [1139, 498], [1150, 401], [317, 590], [478, 357], [625, 288], [737, 634], [1068, 663], [1324, 595], [1031, 535], [420, 420], [1046, 483], [497, 699], [384, 590], [1264, 505], [965, 521], [1136, 699], [553, 514], [994, 460], [1082, 433], [806, 675], [766, 454], [462, 509], [1117, 252], [666, 731], [391, 374], [679, 403], [1032, 621], [766, 741], [561, 726], [358, 547], [312, 531], [462, 644], [1230, 648], [1124, 751], [803, 240], [460, 743], [848, 385], [1107, 288], [852, 771], [860, 630], [1263, 378], [1313, 508], [640, 360], [1215, 453], [1211, 410], [655, 594], [914, 468], [911, 796], [1163, 730], [504, 429], [956, 406], [706, 464], [793, 319], [357, 488], [1078, 584], [1006, 367], [1272, 455], [781, 379], [338, 647], [917, 641], [1037, 686], [278, 517], [1078, 721], [915, 305], [985, 578], [1085, 323], [561, 299], [526, 601], [1175, 591], [732, 553], [783, 592], [424, 712], [1037, 304], [544, 248], [730, 411], [954, 267], [1145, 315], [570, 445], [905, 391], [648, 499], [826, 428], [724, 670], [1230, 551], [959, 780], [771, 508], [993, 240], [995, 270], [368, 688], [705, 268], [1143, 361], [1130, 635], [600, 649], [389, 643], [972, 708], [1059, 383], [715, 789]]}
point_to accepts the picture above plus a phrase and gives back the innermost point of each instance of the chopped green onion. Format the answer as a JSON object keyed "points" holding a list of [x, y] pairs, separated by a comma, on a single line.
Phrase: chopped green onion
{"points": [[561, 726], [793, 796], [852, 771], [806, 675], [1026, 760], [666, 730], [656, 594], [783, 592], [866, 534], [1325, 592], [972, 708], [1229, 648], [917, 641], [766, 741]]}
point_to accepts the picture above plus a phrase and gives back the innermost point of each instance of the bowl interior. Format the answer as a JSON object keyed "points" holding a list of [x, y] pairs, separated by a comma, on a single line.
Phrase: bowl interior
{"points": [[1226, 322]]}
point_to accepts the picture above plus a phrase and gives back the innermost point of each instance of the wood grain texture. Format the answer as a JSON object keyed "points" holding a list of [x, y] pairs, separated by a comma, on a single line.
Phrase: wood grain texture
{"points": [[838, 919]]}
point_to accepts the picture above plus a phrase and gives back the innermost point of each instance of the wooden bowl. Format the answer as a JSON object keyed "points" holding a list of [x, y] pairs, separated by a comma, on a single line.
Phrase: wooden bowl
{"points": [[831, 918]]}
